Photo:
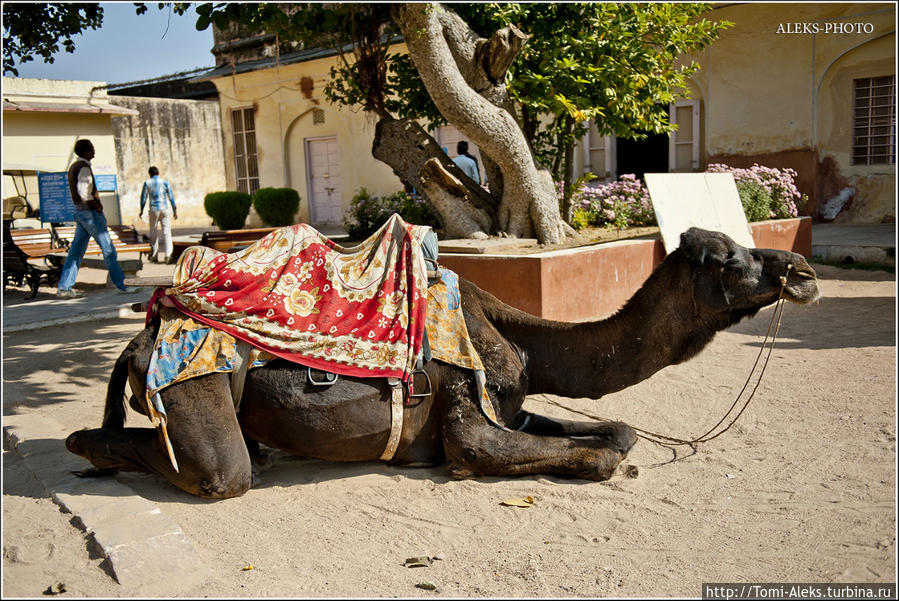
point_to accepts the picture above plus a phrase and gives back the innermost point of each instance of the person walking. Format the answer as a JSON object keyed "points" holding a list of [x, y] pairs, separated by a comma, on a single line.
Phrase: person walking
{"points": [[467, 163], [89, 223], [157, 190]]}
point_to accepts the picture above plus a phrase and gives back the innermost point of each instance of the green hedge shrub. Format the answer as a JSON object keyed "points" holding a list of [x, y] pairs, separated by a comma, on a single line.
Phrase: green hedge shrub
{"points": [[228, 210], [756, 200], [367, 213], [766, 192], [276, 206]]}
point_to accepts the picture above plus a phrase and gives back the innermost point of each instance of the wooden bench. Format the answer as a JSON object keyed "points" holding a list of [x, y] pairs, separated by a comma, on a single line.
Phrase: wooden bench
{"points": [[221, 240], [18, 270], [35, 243], [225, 240], [124, 239]]}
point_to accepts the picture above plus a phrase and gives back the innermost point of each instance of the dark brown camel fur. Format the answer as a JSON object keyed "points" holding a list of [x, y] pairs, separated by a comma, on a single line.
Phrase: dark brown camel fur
{"points": [[706, 285]]}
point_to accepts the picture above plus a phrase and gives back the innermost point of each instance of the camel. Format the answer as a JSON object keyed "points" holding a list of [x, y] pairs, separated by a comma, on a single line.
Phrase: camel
{"points": [[704, 286]]}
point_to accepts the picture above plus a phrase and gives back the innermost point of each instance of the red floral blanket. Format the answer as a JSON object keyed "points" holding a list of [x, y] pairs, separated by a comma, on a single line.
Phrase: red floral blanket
{"points": [[356, 311]]}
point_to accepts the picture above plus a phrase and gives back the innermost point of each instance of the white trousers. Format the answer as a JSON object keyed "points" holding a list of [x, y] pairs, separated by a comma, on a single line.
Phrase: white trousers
{"points": [[161, 234]]}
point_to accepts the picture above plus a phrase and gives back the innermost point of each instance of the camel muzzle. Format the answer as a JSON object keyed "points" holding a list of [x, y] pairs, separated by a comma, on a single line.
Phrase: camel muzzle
{"points": [[802, 282]]}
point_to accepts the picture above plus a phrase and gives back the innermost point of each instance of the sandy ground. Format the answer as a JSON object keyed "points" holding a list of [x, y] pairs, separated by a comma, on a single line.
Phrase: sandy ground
{"points": [[801, 489]]}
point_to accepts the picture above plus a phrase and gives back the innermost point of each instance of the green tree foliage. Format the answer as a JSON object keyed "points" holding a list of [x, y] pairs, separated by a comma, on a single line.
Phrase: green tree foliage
{"points": [[360, 33], [617, 64], [38, 29], [367, 213]]}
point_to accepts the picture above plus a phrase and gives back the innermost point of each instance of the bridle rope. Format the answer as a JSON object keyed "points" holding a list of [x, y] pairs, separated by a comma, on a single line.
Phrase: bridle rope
{"points": [[664, 440]]}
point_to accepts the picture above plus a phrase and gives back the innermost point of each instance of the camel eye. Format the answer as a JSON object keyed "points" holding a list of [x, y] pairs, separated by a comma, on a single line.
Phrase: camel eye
{"points": [[732, 261]]}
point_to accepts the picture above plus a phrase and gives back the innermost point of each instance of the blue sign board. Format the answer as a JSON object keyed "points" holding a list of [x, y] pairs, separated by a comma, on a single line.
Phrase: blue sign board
{"points": [[105, 183], [56, 200]]}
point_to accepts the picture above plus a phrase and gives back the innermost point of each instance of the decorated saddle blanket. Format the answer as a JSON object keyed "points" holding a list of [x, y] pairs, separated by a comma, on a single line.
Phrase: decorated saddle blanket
{"points": [[297, 295]]}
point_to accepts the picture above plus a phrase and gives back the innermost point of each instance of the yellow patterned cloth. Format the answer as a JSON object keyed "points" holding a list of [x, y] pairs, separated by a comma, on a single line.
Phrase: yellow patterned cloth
{"points": [[447, 332]]}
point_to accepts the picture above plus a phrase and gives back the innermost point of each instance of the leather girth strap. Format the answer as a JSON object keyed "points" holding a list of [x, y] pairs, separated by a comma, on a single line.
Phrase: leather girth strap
{"points": [[239, 373], [396, 418]]}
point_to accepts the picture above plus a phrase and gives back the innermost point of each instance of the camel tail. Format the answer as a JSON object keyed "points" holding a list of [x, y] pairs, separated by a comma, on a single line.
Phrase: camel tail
{"points": [[114, 413]]}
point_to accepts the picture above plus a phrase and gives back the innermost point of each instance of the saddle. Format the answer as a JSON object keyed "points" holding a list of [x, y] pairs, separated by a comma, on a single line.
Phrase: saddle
{"points": [[380, 309]]}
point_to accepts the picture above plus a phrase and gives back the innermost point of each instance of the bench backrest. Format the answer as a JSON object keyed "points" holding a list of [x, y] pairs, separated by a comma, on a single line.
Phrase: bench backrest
{"points": [[13, 258], [35, 242], [225, 239], [124, 238]]}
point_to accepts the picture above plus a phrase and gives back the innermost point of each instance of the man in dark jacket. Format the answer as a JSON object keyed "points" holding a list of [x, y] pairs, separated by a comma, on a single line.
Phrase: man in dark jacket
{"points": [[89, 223]]}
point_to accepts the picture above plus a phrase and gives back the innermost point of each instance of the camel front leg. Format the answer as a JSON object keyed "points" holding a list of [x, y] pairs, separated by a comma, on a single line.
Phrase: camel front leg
{"points": [[474, 447], [615, 435], [212, 457]]}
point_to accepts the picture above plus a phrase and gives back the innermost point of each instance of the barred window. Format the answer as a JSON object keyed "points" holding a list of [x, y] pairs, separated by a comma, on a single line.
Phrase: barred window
{"points": [[874, 126], [246, 167]]}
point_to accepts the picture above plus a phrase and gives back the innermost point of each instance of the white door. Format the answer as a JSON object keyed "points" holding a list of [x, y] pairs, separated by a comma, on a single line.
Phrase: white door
{"points": [[323, 181], [599, 155], [683, 148]]}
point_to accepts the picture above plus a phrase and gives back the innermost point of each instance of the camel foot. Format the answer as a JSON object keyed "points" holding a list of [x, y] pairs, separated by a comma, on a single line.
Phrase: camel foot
{"points": [[617, 436]]}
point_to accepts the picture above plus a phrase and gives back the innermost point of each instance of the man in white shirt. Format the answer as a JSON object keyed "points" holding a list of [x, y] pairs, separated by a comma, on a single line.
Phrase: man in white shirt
{"points": [[467, 163], [159, 192], [89, 223]]}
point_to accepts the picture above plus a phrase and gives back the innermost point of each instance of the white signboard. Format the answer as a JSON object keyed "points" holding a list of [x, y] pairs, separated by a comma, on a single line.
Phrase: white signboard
{"points": [[705, 200]]}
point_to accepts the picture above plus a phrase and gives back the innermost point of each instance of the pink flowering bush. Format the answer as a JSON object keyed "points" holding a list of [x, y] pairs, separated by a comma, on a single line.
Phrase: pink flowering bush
{"points": [[766, 192], [617, 205]]}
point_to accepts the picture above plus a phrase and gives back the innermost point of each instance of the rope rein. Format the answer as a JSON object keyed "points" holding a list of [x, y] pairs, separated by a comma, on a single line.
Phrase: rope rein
{"points": [[664, 440]]}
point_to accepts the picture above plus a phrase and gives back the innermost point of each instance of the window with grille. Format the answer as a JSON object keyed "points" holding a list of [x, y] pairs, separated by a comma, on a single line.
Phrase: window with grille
{"points": [[874, 127], [246, 167]]}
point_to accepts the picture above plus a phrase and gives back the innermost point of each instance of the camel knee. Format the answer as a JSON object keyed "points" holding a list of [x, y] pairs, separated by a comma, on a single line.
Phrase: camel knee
{"points": [[225, 488], [464, 463], [221, 478], [75, 444], [85, 443]]}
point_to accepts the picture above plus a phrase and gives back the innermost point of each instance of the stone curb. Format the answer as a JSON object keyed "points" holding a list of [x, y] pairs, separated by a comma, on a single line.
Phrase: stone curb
{"points": [[875, 255], [114, 313], [143, 547]]}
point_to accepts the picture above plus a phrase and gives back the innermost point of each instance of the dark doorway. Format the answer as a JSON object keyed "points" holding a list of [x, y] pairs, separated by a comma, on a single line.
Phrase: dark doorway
{"points": [[649, 155]]}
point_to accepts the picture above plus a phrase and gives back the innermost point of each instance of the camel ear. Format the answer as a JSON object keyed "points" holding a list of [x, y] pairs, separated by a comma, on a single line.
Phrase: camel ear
{"points": [[693, 246]]}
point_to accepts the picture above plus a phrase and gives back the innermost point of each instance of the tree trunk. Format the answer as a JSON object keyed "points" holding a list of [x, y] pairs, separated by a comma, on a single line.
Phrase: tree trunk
{"points": [[568, 172], [466, 211], [436, 39]]}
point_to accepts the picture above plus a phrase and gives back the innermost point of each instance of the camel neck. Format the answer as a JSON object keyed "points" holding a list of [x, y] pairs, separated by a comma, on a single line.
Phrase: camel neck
{"points": [[657, 327]]}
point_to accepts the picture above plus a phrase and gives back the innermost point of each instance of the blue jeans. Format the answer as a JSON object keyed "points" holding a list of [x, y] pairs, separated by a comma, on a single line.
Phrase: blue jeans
{"points": [[90, 224]]}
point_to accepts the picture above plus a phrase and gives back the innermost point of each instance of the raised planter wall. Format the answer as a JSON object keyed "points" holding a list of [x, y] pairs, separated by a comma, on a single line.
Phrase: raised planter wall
{"points": [[592, 282]]}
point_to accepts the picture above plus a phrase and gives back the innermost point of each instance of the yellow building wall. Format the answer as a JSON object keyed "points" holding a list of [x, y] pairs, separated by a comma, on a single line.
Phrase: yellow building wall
{"points": [[44, 140], [875, 185], [181, 138], [777, 90], [284, 121]]}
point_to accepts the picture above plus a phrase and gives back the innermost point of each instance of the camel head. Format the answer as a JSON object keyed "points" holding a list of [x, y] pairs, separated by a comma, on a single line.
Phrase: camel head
{"points": [[729, 279]]}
